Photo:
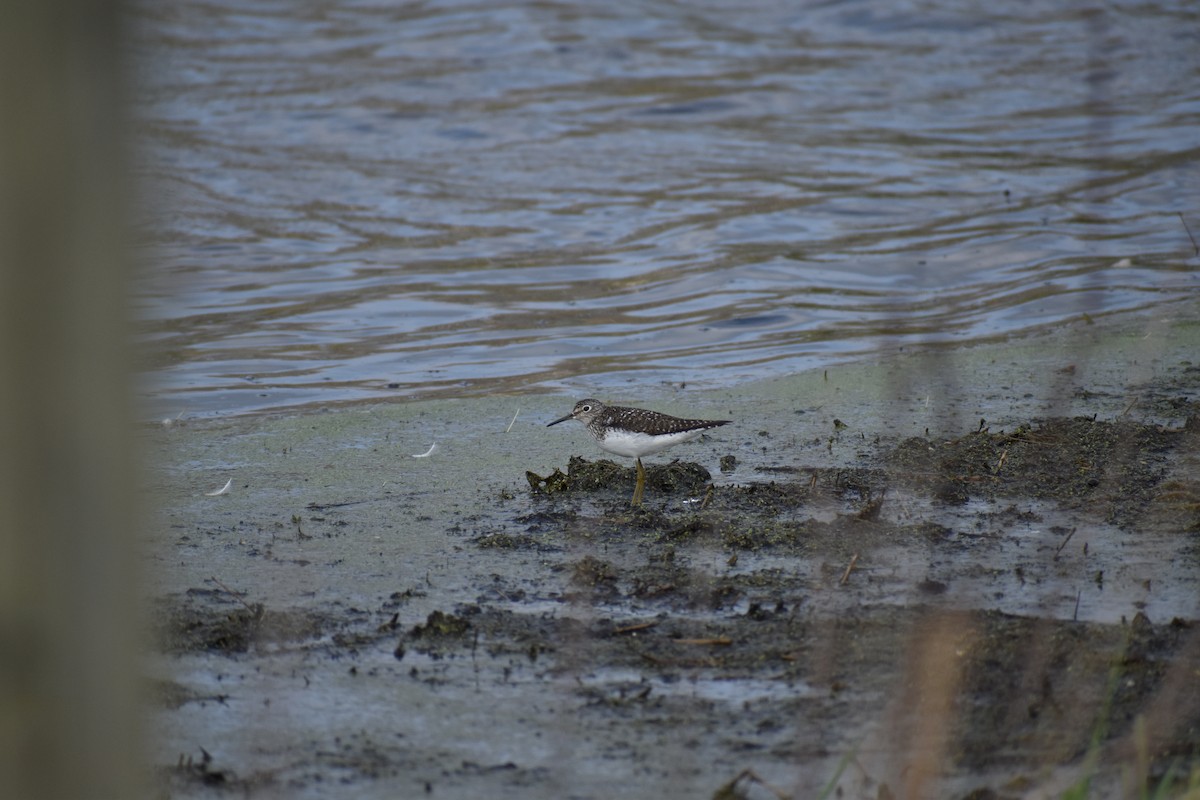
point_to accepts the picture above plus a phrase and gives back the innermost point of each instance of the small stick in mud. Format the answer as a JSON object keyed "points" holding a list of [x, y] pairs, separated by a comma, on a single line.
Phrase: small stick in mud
{"points": [[514, 420], [1064, 543], [730, 791], [300, 534], [640, 626], [235, 596], [1195, 246], [723, 641], [1000, 463], [850, 566]]}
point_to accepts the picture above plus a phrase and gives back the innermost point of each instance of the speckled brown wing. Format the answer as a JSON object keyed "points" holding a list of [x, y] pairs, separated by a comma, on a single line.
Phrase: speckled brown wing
{"points": [[651, 422]]}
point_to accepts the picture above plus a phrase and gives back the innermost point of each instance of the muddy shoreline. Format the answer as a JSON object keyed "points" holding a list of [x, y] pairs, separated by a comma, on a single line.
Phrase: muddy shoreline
{"points": [[983, 582]]}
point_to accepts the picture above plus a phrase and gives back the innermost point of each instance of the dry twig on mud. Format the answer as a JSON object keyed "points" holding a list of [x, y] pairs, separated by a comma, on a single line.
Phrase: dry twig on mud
{"points": [[850, 566]]}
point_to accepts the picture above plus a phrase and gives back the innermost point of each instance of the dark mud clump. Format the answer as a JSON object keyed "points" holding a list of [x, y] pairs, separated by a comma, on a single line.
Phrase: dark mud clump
{"points": [[1115, 465], [440, 625], [206, 621], [593, 476]]}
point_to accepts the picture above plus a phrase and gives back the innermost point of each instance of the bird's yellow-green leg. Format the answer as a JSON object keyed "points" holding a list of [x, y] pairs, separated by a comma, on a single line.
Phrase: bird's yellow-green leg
{"points": [[641, 484]]}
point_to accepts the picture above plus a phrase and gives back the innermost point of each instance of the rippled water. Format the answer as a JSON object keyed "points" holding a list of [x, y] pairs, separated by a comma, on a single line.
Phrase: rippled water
{"points": [[350, 201]]}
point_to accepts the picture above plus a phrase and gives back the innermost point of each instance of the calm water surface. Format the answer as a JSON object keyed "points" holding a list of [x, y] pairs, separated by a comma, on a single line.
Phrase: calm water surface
{"points": [[350, 201]]}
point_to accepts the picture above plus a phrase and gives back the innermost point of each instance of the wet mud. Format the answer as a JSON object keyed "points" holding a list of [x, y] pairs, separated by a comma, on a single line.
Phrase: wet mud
{"points": [[1027, 692], [1005, 611]]}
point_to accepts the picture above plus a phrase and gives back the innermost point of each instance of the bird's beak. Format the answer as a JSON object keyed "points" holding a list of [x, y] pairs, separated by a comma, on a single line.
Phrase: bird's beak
{"points": [[562, 419]]}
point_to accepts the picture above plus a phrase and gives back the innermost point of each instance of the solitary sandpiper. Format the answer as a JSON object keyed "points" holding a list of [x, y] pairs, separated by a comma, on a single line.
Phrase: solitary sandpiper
{"points": [[636, 432]]}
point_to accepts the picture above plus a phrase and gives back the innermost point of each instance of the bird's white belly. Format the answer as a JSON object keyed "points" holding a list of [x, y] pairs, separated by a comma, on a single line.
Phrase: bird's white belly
{"points": [[636, 445]]}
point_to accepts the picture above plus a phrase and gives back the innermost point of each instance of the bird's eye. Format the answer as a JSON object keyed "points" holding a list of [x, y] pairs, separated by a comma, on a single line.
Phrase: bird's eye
{"points": [[586, 408]]}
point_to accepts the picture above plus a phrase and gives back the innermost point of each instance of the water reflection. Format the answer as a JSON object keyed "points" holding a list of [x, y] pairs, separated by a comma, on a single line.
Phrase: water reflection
{"points": [[354, 202]]}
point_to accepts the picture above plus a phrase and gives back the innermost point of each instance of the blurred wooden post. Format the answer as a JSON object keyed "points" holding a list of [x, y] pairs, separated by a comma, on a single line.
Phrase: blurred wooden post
{"points": [[67, 656]]}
